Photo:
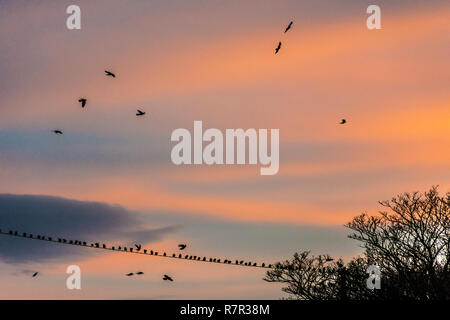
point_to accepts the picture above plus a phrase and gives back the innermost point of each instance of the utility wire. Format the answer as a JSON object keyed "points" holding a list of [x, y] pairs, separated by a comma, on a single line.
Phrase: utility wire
{"points": [[143, 251]]}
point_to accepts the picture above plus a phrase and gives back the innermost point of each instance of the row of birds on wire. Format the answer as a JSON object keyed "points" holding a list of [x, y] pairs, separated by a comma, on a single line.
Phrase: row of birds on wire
{"points": [[137, 249]]}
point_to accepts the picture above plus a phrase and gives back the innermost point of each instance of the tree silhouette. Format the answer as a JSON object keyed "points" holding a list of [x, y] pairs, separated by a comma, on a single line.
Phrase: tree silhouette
{"points": [[409, 243]]}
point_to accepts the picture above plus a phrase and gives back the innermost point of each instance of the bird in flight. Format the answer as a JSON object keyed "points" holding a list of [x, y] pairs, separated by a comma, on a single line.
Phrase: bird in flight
{"points": [[140, 113], [329, 259], [139, 272], [83, 102], [289, 26], [182, 246], [57, 132], [343, 121], [138, 247], [35, 274], [109, 73], [129, 274], [166, 277], [278, 48]]}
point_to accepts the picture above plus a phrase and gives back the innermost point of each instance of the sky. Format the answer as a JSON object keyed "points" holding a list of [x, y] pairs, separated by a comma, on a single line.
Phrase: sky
{"points": [[110, 178]]}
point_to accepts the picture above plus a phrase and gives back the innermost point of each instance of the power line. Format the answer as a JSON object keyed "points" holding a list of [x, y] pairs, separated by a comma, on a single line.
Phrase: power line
{"points": [[143, 251]]}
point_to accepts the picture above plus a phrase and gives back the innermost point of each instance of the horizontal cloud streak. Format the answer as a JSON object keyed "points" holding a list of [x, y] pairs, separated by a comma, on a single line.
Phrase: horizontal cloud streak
{"points": [[69, 219]]}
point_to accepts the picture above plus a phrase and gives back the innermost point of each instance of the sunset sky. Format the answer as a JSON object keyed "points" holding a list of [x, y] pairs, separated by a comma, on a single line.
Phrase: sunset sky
{"points": [[110, 178]]}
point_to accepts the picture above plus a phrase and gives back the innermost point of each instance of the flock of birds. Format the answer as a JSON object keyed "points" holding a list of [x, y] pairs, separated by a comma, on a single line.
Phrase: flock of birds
{"points": [[277, 49], [137, 249], [83, 102], [140, 113]]}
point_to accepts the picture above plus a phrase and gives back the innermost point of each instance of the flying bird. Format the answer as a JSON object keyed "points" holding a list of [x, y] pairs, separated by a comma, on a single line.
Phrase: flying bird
{"points": [[289, 26], [139, 272], [138, 247], [166, 277], [129, 274], [343, 121], [140, 113], [182, 246], [109, 73], [83, 102], [57, 131], [278, 48], [35, 274]]}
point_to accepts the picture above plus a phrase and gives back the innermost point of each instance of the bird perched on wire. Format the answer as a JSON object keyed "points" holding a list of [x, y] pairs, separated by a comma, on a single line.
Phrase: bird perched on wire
{"points": [[167, 278], [278, 48], [83, 102], [182, 246], [138, 247], [110, 74], [288, 27]]}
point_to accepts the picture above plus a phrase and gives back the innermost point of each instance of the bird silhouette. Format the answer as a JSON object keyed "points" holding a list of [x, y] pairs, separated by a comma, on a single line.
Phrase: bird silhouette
{"points": [[182, 246], [343, 121], [35, 274], [140, 113], [57, 131], [329, 259], [166, 277], [129, 274], [278, 48], [139, 272], [288, 27], [110, 74], [138, 247], [83, 102]]}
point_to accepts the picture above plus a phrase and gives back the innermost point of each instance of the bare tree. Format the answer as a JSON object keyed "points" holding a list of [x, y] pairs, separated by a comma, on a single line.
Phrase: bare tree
{"points": [[410, 242]]}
